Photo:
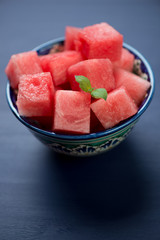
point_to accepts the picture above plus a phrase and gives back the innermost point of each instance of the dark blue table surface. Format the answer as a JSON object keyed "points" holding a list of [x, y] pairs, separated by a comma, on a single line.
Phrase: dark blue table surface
{"points": [[44, 195]]}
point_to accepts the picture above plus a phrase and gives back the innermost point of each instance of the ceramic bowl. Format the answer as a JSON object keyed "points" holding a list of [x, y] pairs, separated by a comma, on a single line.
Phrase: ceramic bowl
{"points": [[94, 143]]}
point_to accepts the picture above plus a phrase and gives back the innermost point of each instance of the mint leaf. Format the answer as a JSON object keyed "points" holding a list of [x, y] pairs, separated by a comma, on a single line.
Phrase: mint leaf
{"points": [[84, 83], [99, 93]]}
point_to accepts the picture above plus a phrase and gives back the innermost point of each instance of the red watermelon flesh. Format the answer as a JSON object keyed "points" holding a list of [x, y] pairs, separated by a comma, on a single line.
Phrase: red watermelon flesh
{"points": [[35, 95], [118, 107], [98, 71], [72, 112], [100, 41], [126, 61], [95, 125], [71, 35], [45, 61], [60, 64], [22, 63], [136, 86]]}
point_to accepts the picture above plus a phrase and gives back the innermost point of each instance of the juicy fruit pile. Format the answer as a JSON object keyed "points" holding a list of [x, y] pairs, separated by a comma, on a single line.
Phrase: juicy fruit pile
{"points": [[48, 93]]}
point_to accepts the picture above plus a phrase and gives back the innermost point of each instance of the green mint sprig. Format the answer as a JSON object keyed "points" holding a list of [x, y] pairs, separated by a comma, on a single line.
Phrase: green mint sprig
{"points": [[85, 85]]}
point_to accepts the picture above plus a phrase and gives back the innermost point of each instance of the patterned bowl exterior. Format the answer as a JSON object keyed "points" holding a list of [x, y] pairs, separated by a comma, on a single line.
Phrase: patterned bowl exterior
{"points": [[86, 147], [89, 144]]}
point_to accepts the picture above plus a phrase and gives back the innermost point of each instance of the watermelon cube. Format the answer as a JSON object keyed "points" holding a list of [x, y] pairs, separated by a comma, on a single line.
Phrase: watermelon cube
{"points": [[126, 61], [136, 86], [45, 61], [60, 63], [71, 35], [22, 63], [98, 71], [35, 95], [118, 106], [100, 41], [95, 125], [72, 112]]}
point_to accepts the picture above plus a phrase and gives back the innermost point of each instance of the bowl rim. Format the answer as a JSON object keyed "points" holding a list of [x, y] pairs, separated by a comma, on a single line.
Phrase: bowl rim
{"points": [[91, 135]]}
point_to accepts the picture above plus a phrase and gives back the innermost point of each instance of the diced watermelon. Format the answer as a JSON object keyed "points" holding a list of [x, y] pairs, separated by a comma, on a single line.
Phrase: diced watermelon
{"points": [[136, 86], [99, 72], [59, 65], [35, 95], [71, 35], [100, 41], [22, 63], [45, 61], [72, 112], [126, 61], [95, 125], [118, 106]]}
